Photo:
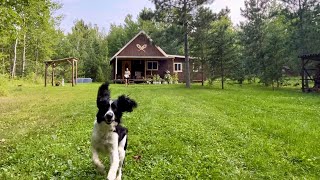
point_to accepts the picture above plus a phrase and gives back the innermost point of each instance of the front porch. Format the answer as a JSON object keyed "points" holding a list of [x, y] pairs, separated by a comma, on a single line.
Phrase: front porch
{"points": [[131, 81], [142, 69]]}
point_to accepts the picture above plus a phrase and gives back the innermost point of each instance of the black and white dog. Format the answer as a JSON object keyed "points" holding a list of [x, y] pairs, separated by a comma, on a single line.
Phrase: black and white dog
{"points": [[108, 135]]}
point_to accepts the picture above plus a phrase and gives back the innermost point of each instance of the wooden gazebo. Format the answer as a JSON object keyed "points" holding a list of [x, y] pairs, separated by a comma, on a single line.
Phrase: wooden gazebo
{"points": [[310, 72], [53, 63]]}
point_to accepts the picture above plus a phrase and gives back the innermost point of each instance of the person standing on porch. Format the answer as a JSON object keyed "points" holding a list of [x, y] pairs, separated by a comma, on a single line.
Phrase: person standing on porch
{"points": [[127, 76]]}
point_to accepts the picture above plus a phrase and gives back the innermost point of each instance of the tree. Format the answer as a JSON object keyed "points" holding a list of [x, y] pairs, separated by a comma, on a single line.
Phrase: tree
{"points": [[180, 13], [90, 46], [222, 50], [275, 47], [304, 16], [252, 36], [199, 37], [30, 25]]}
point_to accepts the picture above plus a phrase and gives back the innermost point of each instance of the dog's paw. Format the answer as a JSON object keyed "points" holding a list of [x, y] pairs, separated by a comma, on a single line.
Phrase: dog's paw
{"points": [[118, 178]]}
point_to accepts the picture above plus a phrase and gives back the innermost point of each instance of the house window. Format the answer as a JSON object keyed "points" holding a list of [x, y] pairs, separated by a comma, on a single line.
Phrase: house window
{"points": [[177, 67], [152, 65]]}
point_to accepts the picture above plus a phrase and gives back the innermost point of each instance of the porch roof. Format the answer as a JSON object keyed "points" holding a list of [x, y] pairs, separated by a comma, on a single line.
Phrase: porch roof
{"points": [[143, 57]]}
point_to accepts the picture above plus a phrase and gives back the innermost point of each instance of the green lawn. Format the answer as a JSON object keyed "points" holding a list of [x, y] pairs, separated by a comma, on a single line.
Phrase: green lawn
{"points": [[247, 132]]}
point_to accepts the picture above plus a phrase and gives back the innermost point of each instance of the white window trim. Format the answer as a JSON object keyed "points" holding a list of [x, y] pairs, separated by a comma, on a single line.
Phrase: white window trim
{"points": [[153, 69], [174, 67]]}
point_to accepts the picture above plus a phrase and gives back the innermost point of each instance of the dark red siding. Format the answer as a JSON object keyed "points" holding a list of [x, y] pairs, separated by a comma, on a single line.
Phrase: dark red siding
{"points": [[133, 50]]}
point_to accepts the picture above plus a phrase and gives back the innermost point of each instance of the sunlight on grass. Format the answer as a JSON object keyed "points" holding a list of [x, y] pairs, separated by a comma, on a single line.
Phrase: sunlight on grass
{"points": [[200, 133]]}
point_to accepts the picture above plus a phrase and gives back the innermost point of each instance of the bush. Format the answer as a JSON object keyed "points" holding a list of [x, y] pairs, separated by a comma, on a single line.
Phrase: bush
{"points": [[34, 78], [156, 78], [167, 77], [4, 85], [175, 78]]}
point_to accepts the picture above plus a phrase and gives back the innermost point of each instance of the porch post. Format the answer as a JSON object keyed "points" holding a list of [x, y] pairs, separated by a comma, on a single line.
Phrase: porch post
{"points": [[116, 68], [172, 65], [145, 69]]}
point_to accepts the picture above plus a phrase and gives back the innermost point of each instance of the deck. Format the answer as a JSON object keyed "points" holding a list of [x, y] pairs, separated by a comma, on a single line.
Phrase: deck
{"points": [[121, 81]]}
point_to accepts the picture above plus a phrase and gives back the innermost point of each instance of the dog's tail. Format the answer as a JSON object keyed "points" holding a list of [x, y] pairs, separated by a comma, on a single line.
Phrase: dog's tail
{"points": [[103, 93]]}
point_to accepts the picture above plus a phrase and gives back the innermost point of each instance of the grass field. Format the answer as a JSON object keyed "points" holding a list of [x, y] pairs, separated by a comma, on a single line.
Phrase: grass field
{"points": [[248, 132]]}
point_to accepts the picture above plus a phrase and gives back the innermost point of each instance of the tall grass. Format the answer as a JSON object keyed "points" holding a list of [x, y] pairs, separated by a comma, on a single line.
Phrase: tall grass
{"points": [[248, 132], [4, 85]]}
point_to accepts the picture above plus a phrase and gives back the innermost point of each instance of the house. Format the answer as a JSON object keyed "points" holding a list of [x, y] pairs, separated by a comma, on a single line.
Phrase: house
{"points": [[145, 59]]}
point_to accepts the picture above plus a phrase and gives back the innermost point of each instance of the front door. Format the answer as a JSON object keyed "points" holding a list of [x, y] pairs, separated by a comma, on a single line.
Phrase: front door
{"points": [[126, 64]]}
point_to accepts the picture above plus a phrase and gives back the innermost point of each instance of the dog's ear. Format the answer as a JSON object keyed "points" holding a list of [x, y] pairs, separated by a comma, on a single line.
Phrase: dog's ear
{"points": [[103, 96], [125, 104]]}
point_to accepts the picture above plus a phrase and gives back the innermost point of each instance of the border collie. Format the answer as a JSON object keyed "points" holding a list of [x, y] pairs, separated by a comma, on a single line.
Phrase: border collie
{"points": [[108, 135]]}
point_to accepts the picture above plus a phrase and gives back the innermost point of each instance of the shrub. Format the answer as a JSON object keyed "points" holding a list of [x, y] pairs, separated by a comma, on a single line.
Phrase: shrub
{"points": [[156, 78], [175, 77], [4, 85], [167, 77], [34, 78]]}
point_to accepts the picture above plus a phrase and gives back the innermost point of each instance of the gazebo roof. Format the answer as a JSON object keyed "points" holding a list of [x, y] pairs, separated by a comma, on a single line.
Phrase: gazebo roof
{"points": [[61, 60]]}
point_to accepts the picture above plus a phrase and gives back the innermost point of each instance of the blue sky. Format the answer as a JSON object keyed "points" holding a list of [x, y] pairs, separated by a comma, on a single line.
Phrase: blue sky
{"points": [[105, 12]]}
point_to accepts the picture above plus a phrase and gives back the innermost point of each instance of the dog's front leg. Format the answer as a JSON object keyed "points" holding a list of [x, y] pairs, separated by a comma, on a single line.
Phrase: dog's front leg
{"points": [[114, 163], [97, 162]]}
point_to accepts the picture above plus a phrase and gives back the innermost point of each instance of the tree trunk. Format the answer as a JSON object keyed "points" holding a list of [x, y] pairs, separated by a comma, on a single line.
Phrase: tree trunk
{"points": [[14, 61], [186, 50], [202, 73], [37, 56], [222, 74], [24, 55]]}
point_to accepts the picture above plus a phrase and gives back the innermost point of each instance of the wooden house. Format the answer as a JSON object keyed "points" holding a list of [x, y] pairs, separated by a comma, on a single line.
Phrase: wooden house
{"points": [[145, 59]]}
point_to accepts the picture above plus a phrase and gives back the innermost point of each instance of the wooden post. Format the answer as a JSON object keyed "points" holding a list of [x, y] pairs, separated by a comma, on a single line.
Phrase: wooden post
{"points": [[145, 69], [72, 72], [172, 66], [116, 68], [76, 71], [52, 74], [45, 74]]}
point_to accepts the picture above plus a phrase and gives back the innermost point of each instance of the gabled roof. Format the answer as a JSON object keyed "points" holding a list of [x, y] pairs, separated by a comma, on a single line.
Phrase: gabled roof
{"points": [[144, 33]]}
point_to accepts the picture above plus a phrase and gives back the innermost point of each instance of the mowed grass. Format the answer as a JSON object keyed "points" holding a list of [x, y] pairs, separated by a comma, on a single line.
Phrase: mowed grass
{"points": [[247, 132]]}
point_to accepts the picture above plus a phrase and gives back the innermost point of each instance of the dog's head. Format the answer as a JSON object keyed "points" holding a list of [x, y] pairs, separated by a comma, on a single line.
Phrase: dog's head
{"points": [[111, 110]]}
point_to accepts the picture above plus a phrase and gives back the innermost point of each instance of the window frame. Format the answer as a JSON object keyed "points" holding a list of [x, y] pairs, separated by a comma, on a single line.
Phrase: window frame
{"points": [[152, 65], [174, 67]]}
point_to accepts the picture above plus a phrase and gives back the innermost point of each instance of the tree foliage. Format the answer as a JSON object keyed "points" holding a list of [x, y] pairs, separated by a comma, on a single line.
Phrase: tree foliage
{"points": [[271, 37], [179, 13], [27, 30]]}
